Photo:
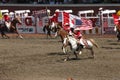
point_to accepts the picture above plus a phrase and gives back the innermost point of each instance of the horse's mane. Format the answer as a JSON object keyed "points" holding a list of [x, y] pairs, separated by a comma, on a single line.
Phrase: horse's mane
{"points": [[62, 33]]}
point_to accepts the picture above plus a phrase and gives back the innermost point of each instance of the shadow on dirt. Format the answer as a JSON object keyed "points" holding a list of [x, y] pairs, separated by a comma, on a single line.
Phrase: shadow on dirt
{"points": [[110, 47], [114, 44], [71, 59], [56, 53]]}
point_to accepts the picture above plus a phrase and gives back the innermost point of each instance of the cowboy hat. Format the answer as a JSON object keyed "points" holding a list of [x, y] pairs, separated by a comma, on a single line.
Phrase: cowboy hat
{"points": [[77, 29], [5, 13], [66, 23]]}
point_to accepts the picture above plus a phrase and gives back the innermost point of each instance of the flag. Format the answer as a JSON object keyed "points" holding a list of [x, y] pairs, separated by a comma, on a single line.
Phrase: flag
{"points": [[65, 18], [86, 24], [116, 18], [74, 21], [71, 19], [60, 16], [1, 16], [78, 22]]}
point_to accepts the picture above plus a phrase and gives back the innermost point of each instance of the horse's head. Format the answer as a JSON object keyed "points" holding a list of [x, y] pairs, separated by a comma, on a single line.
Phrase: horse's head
{"points": [[17, 20], [55, 26]]}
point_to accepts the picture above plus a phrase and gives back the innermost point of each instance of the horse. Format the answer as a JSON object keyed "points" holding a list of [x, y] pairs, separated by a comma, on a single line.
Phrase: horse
{"points": [[59, 31], [75, 46], [117, 30], [71, 41], [48, 28], [11, 28]]}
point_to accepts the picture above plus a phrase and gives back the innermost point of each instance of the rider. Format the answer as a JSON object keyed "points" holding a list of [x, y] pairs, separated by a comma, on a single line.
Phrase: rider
{"points": [[68, 29], [79, 37], [7, 20], [77, 33]]}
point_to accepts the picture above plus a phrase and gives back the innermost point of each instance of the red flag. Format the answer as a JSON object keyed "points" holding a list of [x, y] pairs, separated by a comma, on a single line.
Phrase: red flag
{"points": [[55, 17], [65, 18], [116, 18]]}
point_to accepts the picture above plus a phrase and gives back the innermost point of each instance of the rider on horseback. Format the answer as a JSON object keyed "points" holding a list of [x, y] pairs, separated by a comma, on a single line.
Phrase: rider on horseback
{"points": [[68, 29], [81, 42], [7, 20]]}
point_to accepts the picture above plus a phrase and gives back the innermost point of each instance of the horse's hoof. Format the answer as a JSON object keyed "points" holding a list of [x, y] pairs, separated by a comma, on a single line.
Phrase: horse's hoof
{"points": [[80, 52], [21, 37], [65, 59]]}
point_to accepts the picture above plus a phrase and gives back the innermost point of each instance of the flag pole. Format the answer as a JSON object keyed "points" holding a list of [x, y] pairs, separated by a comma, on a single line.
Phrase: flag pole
{"points": [[101, 19]]}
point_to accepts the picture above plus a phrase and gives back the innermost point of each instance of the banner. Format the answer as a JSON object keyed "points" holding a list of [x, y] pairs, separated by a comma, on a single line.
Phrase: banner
{"points": [[27, 26], [1, 16]]}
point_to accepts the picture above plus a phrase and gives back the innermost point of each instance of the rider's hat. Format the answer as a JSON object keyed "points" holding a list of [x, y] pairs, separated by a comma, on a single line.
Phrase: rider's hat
{"points": [[76, 29], [6, 14], [57, 10], [66, 24]]}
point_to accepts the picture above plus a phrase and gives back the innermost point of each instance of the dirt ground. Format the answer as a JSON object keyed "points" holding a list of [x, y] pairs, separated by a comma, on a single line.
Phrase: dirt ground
{"points": [[38, 58]]}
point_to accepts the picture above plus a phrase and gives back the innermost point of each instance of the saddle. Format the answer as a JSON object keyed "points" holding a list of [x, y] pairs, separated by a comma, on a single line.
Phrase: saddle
{"points": [[85, 42]]}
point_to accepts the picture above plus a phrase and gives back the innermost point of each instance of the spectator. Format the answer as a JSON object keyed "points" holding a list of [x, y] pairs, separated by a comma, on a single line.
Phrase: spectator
{"points": [[46, 1], [40, 1], [59, 1], [75, 1], [52, 2], [5, 1]]}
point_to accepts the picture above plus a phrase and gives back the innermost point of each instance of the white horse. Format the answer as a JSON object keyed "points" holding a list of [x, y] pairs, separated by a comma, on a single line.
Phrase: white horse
{"points": [[77, 46]]}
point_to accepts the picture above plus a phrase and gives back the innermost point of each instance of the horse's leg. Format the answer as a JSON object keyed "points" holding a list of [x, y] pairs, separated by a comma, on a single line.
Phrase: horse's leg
{"points": [[20, 36], [92, 52], [64, 49], [118, 36], [76, 55], [49, 34], [79, 49], [4, 35], [67, 57], [66, 52]]}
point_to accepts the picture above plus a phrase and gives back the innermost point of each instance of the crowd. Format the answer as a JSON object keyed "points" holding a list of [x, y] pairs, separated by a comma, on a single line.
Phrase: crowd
{"points": [[59, 1]]}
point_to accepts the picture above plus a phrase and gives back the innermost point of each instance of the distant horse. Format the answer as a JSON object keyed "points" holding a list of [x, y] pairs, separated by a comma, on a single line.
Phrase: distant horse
{"points": [[117, 30], [10, 28], [75, 46], [47, 28]]}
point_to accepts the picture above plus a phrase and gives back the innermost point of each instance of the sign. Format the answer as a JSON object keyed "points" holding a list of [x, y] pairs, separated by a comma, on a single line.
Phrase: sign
{"points": [[26, 29], [27, 26]]}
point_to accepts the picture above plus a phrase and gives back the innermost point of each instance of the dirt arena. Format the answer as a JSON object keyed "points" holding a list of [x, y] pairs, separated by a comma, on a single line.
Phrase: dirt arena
{"points": [[38, 58]]}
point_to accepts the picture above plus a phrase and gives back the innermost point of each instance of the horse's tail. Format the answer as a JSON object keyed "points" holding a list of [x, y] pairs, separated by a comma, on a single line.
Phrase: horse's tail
{"points": [[94, 43]]}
